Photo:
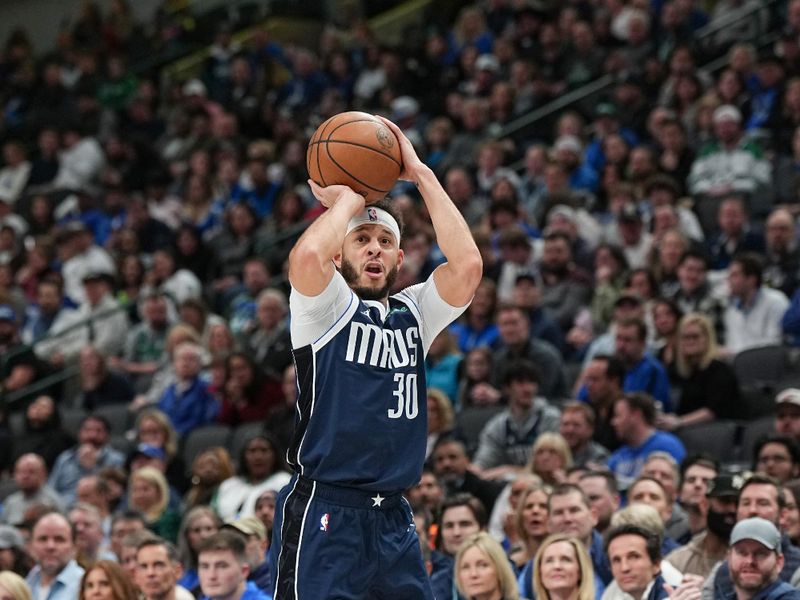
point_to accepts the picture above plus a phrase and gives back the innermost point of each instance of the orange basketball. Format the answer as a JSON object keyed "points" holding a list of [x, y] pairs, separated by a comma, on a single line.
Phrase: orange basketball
{"points": [[355, 149]]}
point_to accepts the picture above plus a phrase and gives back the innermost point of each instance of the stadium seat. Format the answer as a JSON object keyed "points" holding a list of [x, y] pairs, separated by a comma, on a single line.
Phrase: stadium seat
{"points": [[16, 421], [717, 438], [71, 420], [240, 435], [471, 421], [117, 415], [760, 368], [121, 443], [202, 438], [752, 432]]}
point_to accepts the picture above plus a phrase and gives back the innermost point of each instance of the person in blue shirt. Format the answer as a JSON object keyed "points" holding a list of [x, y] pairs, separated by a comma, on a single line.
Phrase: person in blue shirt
{"points": [[56, 575], [188, 403], [634, 423], [223, 569], [643, 372]]}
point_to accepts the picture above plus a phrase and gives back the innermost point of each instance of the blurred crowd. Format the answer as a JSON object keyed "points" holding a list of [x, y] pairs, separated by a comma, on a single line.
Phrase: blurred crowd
{"points": [[638, 246]]}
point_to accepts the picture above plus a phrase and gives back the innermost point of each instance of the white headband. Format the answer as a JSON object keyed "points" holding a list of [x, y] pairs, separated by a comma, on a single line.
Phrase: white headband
{"points": [[375, 216]]}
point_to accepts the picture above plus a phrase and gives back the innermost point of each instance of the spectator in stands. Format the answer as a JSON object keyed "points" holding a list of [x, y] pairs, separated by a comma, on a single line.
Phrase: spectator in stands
{"points": [[261, 467], [517, 343], [167, 278], [442, 364], [223, 569], [634, 422], [48, 308], [506, 440], [636, 241], [148, 492], [106, 577], [153, 428], [787, 413], [106, 324], [516, 255], [600, 488], [759, 496], [782, 256], [100, 384], [145, 343], [241, 313], [569, 513], [754, 313], [477, 326], [198, 524], [730, 164], [472, 576], [460, 517], [53, 547], [123, 524], [529, 522], [86, 521], [248, 395], [643, 373], [441, 418], [43, 434], [14, 555], [550, 458], [577, 427], [778, 457], [21, 366], [710, 545], [753, 572], [635, 556], [157, 569], [662, 467], [90, 455], [94, 490], [475, 388], [210, 468], [188, 402], [451, 466], [707, 387], [603, 378], [267, 339], [735, 233], [563, 567], [693, 293], [256, 541], [30, 478], [610, 273], [79, 257], [565, 288], [649, 491]]}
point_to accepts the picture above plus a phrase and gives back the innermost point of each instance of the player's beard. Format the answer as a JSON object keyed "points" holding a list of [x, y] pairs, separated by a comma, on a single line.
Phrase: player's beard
{"points": [[350, 275]]}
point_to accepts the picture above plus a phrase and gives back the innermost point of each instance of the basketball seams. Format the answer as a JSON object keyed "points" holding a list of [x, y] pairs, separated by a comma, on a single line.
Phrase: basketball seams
{"points": [[349, 174], [358, 145]]}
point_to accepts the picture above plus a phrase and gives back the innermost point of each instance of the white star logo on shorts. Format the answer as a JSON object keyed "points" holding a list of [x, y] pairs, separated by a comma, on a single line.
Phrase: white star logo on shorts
{"points": [[376, 500]]}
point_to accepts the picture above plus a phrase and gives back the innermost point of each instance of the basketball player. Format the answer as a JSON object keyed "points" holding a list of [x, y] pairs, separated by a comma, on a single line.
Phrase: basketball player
{"points": [[342, 528]]}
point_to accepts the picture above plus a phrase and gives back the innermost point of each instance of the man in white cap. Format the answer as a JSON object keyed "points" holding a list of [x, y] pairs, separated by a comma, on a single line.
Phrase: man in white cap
{"points": [[787, 413], [755, 560], [730, 164]]}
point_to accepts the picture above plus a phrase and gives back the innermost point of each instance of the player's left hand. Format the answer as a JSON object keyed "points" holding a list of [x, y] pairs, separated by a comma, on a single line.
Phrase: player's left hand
{"points": [[329, 194], [412, 165]]}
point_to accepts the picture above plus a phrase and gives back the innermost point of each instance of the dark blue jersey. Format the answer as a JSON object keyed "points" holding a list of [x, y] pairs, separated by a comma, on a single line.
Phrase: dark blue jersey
{"points": [[361, 410]]}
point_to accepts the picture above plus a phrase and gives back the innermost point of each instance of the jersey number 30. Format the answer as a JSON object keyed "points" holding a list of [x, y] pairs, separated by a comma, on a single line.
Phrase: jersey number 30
{"points": [[406, 393]]}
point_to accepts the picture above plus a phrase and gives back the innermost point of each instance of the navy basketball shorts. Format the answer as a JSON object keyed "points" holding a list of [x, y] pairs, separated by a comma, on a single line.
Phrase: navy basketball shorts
{"points": [[337, 543]]}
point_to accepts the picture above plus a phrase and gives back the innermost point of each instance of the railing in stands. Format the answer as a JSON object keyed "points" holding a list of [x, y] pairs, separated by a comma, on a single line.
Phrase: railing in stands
{"points": [[767, 12], [9, 398]]}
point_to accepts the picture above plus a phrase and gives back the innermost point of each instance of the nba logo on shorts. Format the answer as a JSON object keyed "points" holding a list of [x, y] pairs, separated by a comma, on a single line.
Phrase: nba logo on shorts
{"points": [[372, 214], [323, 522]]}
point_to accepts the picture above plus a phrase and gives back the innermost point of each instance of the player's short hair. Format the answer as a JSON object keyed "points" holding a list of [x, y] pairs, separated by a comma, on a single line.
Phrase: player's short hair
{"points": [[389, 207]]}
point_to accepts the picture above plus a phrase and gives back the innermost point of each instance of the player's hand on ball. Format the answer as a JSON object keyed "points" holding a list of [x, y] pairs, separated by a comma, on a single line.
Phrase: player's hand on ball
{"points": [[328, 195], [411, 162]]}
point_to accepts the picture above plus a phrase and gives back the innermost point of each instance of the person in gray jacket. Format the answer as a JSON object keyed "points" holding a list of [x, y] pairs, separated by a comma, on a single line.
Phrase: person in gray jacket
{"points": [[506, 440]]}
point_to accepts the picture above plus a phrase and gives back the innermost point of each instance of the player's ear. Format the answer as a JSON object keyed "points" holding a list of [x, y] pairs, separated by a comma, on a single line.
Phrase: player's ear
{"points": [[337, 260], [401, 256]]}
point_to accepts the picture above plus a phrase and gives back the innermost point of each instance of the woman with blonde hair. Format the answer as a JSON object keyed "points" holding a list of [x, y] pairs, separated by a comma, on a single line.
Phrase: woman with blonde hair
{"points": [[550, 458], [13, 587], [106, 580], [482, 570], [148, 492], [707, 387], [563, 570], [530, 522], [154, 428], [199, 523]]}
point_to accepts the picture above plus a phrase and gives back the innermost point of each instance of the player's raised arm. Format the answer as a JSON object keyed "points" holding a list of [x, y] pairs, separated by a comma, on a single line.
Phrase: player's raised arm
{"points": [[457, 279], [311, 260]]}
